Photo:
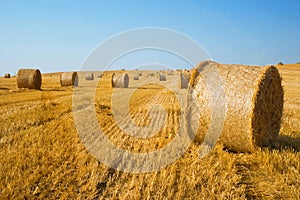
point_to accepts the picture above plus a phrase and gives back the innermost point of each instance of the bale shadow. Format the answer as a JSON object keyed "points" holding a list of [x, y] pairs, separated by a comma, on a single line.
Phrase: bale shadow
{"points": [[55, 89], [284, 142]]}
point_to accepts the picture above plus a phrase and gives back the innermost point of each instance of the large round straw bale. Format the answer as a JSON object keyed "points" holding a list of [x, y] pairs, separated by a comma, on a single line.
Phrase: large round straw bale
{"points": [[6, 75], [89, 76], [136, 77], [120, 80], [69, 79], [29, 78], [184, 79], [254, 99], [162, 77]]}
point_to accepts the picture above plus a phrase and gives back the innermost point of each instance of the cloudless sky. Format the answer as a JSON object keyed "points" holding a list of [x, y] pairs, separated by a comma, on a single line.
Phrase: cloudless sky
{"points": [[57, 35]]}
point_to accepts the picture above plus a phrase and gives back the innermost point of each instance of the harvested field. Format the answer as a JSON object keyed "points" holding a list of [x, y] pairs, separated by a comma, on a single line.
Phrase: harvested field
{"points": [[42, 156]]}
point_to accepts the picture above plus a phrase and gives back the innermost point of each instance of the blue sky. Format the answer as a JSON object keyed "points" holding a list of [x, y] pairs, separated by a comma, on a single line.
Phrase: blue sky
{"points": [[55, 35]]}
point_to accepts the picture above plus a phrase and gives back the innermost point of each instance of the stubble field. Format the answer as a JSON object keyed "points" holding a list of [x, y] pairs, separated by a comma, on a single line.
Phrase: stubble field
{"points": [[42, 156]]}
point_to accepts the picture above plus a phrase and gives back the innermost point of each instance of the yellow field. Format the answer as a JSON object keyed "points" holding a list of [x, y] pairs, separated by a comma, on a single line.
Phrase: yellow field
{"points": [[42, 156]]}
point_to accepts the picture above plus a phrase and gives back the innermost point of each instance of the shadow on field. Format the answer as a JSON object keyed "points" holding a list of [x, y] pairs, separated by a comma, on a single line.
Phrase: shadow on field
{"points": [[102, 185], [56, 89], [285, 142]]}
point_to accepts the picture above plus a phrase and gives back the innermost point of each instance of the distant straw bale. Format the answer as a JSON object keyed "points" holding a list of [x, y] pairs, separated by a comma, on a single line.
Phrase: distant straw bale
{"points": [[69, 79], [184, 79], [162, 77], [120, 80], [29, 78], [89, 76], [254, 104], [7, 75], [136, 77]]}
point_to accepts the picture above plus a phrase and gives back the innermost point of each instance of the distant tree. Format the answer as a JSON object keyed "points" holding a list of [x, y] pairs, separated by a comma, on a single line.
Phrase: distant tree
{"points": [[280, 63], [298, 62]]}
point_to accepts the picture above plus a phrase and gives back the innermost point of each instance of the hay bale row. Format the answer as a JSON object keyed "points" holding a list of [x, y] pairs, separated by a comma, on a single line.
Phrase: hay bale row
{"points": [[69, 79], [29, 78], [254, 104], [7, 75], [162, 77], [120, 80], [184, 79], [89, 76]]}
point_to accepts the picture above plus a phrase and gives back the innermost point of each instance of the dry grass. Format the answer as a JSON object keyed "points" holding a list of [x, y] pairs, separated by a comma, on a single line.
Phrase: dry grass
{"points": [[41, 155]]}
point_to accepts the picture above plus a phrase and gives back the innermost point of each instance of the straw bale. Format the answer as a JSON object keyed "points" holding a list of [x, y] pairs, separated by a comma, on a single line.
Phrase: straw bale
{"points": [[120, 80], [29, 78], [69, 79], [184, 79], [7, 75], [162, 77], [89, 76], [254, 104], [136, 77]]}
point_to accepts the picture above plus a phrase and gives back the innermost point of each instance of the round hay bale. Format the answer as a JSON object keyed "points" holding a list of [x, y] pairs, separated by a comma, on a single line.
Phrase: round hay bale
{"points": [[162, 77], [136, 77], [89, 76], [69, 79], [29, 78], [120, 80], [7, 75], [184, 79], [254, 100], [140, 74]]}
